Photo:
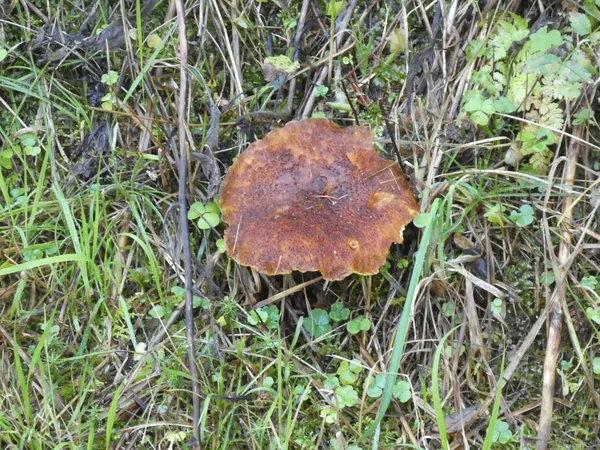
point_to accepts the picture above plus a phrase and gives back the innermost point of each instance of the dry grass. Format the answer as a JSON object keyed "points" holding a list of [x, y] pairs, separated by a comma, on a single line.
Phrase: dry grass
{"points": [[93, 349]]}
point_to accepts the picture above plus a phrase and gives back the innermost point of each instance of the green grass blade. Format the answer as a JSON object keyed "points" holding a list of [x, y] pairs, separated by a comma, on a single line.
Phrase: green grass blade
{"points": [[402, 331], [112, 414], [70, 220], [24, 387], [69, 257], [128, 322], [435, 391], [43, 339], [149, 65], [489, 435]]}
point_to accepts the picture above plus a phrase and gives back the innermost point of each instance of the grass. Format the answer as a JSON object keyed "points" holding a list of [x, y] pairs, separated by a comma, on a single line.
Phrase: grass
{"points": [[93, 350]]}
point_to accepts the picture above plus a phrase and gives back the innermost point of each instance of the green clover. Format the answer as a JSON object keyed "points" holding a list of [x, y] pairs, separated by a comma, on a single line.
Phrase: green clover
{"points": [[208, 215]]}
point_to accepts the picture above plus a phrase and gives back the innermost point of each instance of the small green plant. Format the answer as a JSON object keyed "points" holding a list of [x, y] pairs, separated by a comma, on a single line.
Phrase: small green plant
{"points": [[402, 263], [523, 217], [331, 383], [26, 144], [357, 325], [589, 282], [385, 268], [348, 371], [208, 215], [334, 8], [401, 391], [6, 158], [109, 100], [269, 315], [165, 310], [329, 414], [596, 365], [110, 78], [502, 434], [321, 91], [550, 68], [344, 393], [154, 41], [496, 307], [345, 396], [566, 365], [448, 309], [451, 349], [376, 385], [582, 116], [593, 314], [29, 144], [221, 245], [289, 23], [547, 278], [31, 254], [479, 107], [339, 312], [317, 324], [268, 382], [495, 214]]}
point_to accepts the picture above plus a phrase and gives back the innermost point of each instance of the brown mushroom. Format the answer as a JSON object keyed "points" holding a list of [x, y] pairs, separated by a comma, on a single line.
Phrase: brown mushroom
{"points": [[312, 196]]}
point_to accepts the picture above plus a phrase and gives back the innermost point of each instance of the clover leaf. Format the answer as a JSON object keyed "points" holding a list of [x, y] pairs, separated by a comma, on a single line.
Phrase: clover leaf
{"points": [[494, 214], [589, 282], [208, 215], [402, 391], [376, 386], [329, 414], [221, 245], [347, 371], [448, 309], [5, 158], [593, 314], [479, 107], [501, 433], [257, 316], [524, 217], [318, 323], [321, 91], [543, 40], [497, 307], [357, 325], [331, 383], [596, 365], [110, 78], [159, 311], [339, 312], [547, 278], [196, 300], [346, 396]]}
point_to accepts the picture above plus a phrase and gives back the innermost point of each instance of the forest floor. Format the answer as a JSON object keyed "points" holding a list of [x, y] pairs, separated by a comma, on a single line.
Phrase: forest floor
{"points": [[482, 330]]}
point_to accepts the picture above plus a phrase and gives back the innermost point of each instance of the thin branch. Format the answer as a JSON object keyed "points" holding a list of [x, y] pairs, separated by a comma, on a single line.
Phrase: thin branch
{"points": [[554, 305], [183, 223]]}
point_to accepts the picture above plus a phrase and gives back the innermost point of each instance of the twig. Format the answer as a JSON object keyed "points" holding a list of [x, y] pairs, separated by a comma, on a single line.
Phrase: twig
{"points": [[300, 29], [320, 78], [554, 305], [183, 223]]}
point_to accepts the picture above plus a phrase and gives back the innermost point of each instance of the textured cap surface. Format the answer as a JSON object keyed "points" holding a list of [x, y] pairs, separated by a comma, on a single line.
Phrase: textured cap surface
{"points": [[312, 196]]}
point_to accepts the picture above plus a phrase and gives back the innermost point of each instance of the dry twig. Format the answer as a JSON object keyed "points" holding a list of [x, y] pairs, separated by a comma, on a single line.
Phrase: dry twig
{"points": [[183, 224], [554, 305]]}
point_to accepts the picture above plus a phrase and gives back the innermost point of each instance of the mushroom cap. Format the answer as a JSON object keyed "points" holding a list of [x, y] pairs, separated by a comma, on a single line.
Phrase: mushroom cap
{"points": [[313, 196]]}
